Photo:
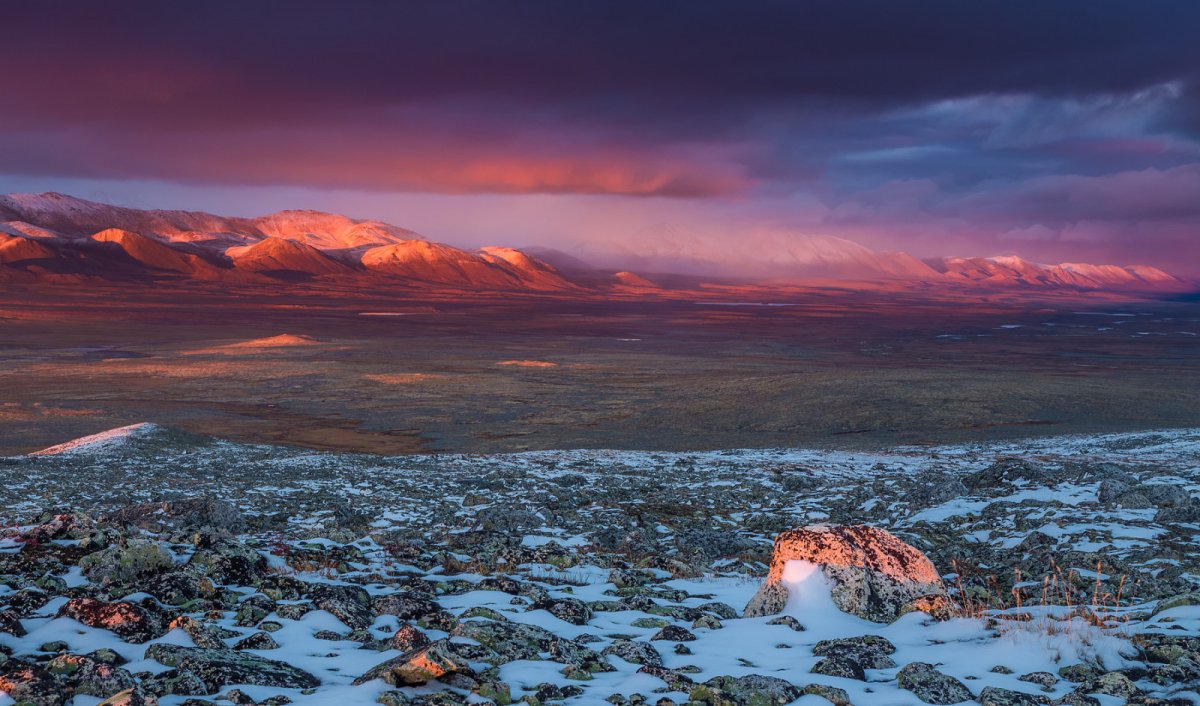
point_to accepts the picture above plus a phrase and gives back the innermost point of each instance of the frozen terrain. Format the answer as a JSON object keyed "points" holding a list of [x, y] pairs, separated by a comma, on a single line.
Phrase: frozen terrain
{"points": [[592, 576]]}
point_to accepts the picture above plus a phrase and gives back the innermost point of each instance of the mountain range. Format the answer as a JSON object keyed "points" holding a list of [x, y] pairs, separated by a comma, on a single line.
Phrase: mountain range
{"points": [[60, 238]]}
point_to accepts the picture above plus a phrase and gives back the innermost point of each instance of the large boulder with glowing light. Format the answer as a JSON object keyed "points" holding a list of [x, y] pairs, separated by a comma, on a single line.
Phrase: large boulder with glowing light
{"points": [[870, 573]]}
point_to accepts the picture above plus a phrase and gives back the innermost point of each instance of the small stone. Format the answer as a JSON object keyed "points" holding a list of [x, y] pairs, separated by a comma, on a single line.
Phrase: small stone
{"points": [[994, 696], [673, 633], [839, 667], [788, 621], [931, 686], [1046, 680], [257, 641]]}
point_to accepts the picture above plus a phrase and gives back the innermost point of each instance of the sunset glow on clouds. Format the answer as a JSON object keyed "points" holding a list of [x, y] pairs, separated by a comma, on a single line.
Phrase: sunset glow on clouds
{"points": [[1057, 130]]}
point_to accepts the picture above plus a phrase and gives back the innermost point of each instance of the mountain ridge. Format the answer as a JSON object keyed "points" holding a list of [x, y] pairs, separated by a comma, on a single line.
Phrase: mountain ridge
{"points": [[64, 238]]}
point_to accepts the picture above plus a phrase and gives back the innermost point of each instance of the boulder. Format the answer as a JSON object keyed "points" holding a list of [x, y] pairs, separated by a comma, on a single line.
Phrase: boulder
{"points": [[123, 566], [87, 676], [128, 620], [220, 667], [995, 696], [31, 685], [750, 690], [418, 666], [872, 573], [870, 651], [349, 604], [635, 652], [189, 513]]}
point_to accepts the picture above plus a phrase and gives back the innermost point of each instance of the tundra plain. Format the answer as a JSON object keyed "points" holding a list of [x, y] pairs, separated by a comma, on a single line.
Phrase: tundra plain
{"points": [[392, 372]]}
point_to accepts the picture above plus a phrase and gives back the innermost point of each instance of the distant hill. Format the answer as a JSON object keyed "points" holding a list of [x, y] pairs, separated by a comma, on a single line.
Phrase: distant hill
{"points": [[60, 238]]}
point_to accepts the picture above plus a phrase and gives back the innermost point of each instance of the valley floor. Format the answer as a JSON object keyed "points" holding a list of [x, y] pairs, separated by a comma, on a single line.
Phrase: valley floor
{"points": [[394, 373]]}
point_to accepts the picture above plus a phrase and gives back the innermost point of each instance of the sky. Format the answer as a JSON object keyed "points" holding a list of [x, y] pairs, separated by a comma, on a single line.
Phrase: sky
{"points": [[1061, 131]]}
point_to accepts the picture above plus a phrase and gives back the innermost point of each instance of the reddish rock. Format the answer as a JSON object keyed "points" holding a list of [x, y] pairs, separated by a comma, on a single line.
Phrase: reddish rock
{"points": [[131, 622], [872, 573], [32, 685], [418, 666]]}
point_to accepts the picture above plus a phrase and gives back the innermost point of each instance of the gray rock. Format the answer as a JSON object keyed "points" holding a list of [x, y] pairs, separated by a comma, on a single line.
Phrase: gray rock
{"points": [[635, 652], [1046, 680], [750, 690], [931, 686], [844, 667], [870, 651], [123, 566], [220, 667], [349, 604], [994, 696], [509, 641], [572, 610], [90, 677], [673, 633]]}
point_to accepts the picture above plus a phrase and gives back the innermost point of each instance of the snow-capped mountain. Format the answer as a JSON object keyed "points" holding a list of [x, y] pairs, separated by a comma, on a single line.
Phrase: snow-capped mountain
{"points": [[54, 236], [62, 238], [1014, 271]]}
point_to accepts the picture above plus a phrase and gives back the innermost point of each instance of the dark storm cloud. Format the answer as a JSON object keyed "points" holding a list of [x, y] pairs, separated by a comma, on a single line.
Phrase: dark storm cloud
{"points": [[965, 116]]}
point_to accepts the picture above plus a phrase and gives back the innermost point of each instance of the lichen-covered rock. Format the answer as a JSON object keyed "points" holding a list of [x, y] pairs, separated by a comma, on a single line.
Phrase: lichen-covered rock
{"points": [[424, 664], [202, 634], [995, 696], [844, 667], [11, 624], [130, 621], [257, 641], [832, 694], [572, 610], [1002, 474], [405, 605], [510, 641], [125, 565], [349, 604], [635, 652], [788, 621], [136, 696], [190, 513], [1076, 698], [173, 682], [675, 680], [578, 656], [89, 677], [870, 651], [1111, 684], [178, 587], [872, 573], [220, 667], [31, 685], [227, 561], [931, 686], [724, 611], [253, 610], [408, 638], [749, 690], [674, 633], [1046, 680]]}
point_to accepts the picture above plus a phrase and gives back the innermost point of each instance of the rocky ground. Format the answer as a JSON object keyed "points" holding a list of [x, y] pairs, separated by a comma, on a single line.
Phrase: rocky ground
{"points": [[152, 566]]}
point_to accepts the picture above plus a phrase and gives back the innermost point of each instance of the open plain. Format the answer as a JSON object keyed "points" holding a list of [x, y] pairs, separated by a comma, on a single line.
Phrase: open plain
{"points": [[393, 372]]}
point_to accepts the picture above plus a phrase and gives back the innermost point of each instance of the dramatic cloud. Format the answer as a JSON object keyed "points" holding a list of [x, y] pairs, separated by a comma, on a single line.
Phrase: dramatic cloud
{"points": [[977, 126]]}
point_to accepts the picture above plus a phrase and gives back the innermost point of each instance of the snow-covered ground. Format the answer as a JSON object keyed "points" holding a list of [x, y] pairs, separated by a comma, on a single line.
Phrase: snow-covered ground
{"points": [[1061, 551]]}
